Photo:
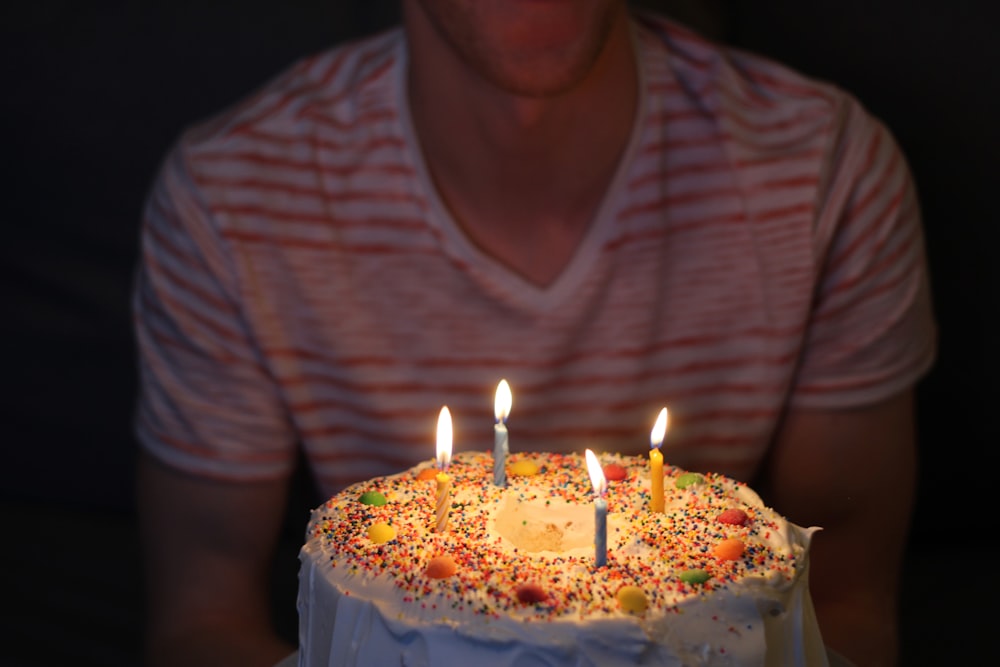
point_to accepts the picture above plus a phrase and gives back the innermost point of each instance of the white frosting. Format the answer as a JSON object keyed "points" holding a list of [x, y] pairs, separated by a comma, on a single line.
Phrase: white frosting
{"points": [[354, 612]]}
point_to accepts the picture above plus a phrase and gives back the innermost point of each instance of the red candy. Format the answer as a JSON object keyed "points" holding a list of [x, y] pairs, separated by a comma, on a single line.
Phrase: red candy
{"points": [[733, 517], [613, 471], [531, 593]]}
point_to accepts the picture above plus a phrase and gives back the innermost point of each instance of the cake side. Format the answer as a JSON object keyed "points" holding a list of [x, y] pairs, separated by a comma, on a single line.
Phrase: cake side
{"points": [[717, 578]]}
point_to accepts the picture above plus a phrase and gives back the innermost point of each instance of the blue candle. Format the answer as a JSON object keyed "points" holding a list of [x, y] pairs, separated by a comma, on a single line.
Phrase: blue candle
{"points": [[500, 451], [501, 446], [601, 532], [600, 484]]}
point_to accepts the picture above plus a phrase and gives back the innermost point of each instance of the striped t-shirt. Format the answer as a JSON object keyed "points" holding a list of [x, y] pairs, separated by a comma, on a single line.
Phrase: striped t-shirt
{"points": [[302, 283]]}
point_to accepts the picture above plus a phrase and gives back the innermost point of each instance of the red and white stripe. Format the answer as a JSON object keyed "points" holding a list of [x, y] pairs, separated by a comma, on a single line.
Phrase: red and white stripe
{"points": [[302, 282]]}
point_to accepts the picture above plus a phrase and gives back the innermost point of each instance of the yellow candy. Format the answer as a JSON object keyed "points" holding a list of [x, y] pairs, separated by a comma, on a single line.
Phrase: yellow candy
{"points": [[523, 468], [632, 599], [380, 533]]}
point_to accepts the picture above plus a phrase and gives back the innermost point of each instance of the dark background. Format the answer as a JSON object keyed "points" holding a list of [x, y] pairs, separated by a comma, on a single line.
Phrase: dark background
{"points": [[93, 94]]}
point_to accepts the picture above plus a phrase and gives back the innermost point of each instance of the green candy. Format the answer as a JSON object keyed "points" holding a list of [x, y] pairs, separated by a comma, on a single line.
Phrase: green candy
{"points": [[694, 576], [687, 479], [373, 498]]}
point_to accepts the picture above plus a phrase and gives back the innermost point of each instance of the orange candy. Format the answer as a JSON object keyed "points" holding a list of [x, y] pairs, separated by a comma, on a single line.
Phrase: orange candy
{"points": [[441, 567], [731, 549], [427, 473]]}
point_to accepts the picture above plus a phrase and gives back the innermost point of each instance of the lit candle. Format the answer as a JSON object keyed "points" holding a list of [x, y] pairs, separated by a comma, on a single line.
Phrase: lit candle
{"points": [[656, 462], [600, 510], [442, 500], [501, 410]]}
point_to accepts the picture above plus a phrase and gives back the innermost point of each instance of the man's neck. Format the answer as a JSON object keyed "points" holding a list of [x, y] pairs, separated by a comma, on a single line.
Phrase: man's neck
{"points": [[521, 175]]}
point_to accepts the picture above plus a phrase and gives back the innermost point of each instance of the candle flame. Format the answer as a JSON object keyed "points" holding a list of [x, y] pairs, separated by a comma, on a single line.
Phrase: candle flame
{"points": [[502, 402], [659, 430], [444, 439], [596, 473]]}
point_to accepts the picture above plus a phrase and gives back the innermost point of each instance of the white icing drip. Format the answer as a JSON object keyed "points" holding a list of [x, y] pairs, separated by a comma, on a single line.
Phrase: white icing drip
{"points": [[357, 619]]}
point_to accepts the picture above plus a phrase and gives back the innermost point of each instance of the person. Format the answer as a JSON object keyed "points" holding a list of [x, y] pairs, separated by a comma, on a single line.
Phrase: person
{"points": [[594, 203]]}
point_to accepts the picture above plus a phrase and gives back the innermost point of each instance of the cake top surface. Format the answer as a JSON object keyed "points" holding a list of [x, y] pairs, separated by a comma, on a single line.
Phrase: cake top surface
{"points": [[527, 551]]}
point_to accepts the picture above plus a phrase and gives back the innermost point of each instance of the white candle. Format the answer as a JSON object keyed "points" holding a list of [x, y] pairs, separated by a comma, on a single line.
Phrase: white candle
{"points": [[600, 509], [501, 410], [442, 499]]}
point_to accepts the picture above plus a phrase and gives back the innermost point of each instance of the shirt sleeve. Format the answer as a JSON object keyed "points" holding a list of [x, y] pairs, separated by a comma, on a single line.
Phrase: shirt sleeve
{"points": [[207, 401], [872, 332]]}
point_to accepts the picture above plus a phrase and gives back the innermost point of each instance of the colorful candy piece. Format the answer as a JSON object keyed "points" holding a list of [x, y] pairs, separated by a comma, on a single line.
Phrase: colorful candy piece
{"points": [[441, 567], [731, 549], [372, 498], [523, 468], [733, 517], [427, 473], [380, 533], [531, 593], [687, 479], [694, 576], [632, 599], [614, 472]]}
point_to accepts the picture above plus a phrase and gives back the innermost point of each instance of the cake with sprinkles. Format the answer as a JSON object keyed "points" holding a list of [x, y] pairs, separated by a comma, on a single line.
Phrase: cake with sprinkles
{"points": [[511, 575]]}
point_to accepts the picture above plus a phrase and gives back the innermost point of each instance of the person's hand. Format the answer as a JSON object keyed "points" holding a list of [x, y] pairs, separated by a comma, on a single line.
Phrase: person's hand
{"points": [[207, 551], [853, 473]]}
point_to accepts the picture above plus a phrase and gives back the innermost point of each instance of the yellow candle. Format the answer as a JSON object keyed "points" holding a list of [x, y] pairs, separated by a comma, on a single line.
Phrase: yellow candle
{"points": [[656, 479], [656, 462], [442, 498], [442, 502]]}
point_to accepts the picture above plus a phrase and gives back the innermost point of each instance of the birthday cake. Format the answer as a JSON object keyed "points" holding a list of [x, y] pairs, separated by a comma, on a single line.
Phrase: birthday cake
{"points": [[513, 576]]}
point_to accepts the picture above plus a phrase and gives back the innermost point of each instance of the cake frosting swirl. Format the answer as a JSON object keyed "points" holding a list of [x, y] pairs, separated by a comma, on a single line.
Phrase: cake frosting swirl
{"points": [[717, 578]]}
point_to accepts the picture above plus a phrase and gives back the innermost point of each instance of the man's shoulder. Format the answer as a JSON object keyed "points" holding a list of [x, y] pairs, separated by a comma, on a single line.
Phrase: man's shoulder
{"points": [[335, 88], [726, 78], [762, 110]]}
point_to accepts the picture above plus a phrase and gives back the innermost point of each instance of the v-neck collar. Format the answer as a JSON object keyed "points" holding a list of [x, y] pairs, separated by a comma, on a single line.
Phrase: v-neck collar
{"points": [[482, 266]]}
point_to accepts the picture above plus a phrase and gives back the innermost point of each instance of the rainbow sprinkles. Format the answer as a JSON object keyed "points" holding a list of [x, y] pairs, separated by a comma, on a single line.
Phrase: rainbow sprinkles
{"points": [[709, 580]]}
